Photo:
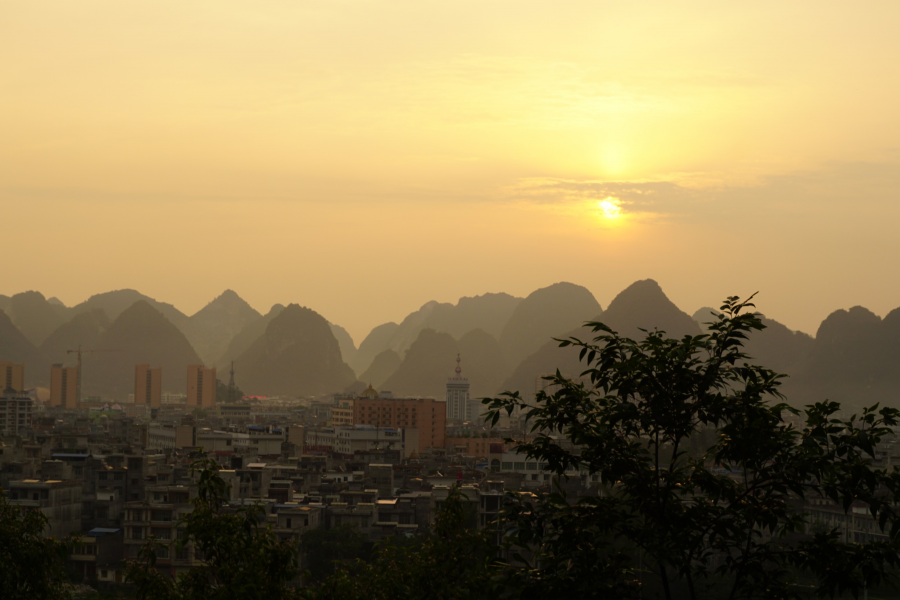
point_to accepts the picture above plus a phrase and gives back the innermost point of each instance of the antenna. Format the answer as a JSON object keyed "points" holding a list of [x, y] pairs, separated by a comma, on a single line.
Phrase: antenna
{"points": [[232, 389]]}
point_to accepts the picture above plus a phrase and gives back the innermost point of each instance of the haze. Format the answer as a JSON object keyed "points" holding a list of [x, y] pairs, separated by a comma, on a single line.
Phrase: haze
{"points": [[362, 158]]}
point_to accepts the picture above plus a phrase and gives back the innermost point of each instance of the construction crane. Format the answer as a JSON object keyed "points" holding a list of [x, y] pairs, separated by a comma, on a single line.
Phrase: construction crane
{"points": [[79, 352]]}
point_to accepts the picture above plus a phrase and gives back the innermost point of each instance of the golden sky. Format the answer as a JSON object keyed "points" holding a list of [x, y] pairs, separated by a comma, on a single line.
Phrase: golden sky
{"points": [[364, 157]]}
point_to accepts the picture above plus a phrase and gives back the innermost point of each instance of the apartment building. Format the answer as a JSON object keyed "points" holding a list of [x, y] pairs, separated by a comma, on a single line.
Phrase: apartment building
{"points": [[12, 377], [424, 419], [148, 385], [16, 413], [64, 386], [201, 386]]}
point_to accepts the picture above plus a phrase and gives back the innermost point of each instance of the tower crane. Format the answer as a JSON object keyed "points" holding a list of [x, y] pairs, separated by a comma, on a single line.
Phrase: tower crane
{"points": [[79, 352]]}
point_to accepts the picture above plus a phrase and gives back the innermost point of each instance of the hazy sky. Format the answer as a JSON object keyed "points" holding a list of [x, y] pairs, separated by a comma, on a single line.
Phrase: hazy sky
{"points": [[362, 157]]}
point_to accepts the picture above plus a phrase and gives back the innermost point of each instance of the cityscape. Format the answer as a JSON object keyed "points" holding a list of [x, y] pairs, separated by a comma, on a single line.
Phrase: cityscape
{"points": [[411, 300]]}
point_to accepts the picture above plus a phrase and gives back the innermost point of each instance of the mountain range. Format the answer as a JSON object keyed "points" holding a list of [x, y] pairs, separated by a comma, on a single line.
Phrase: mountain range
{"points": [[503, 342]]}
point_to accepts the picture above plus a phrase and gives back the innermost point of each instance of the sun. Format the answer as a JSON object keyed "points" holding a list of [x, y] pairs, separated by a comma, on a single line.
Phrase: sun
{"points": [[610, 207]]}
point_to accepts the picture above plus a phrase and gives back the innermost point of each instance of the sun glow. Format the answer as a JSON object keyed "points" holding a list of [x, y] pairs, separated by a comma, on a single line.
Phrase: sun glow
{"points": [[610, 207]]}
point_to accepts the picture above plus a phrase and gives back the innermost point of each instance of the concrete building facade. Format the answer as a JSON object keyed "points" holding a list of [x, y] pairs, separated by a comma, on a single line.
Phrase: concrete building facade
{"points": [[64, 386], [424, 419], [148, 385], [12, 377], [201, 386], [15, 413]]}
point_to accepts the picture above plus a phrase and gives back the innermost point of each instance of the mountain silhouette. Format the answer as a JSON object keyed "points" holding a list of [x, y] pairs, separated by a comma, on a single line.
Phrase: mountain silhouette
{"points": [[384, 365], [348, 348], [216, 324], [776, 347], [546, 313], [425, 368], [250, 333], [82, 330], [34, 316], [375, 343], [297, 355], [641, 305], [118, 301], [489, 312], [15, 347], [140, 334], [431, 360]]}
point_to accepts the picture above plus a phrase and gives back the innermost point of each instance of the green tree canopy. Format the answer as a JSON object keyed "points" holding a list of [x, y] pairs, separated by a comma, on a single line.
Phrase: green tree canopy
{"points": [[681, 519], [32, 566]]}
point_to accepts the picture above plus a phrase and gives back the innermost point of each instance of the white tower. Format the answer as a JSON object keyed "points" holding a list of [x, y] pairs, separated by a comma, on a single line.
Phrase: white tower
{"points": [[458, 396]]}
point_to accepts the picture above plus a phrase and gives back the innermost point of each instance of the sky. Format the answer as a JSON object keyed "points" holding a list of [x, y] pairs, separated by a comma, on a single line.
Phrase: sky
{"points": [[362, 158]]}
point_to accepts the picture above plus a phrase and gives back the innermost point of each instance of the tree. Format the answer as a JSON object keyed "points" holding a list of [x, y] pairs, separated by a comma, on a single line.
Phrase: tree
{"points": [[325, 549], [678, 518], [242, 558], [32, 566]]}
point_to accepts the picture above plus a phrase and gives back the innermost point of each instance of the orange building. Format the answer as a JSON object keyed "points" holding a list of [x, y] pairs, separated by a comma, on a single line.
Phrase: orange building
{"points": [[148, 385], [12, 377], [64, 386], [424, 419], [472, 446], [201, 386]]}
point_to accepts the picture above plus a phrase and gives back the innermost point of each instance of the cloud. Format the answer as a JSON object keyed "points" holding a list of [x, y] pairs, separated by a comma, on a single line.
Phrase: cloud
{"points": [[857, 189]]}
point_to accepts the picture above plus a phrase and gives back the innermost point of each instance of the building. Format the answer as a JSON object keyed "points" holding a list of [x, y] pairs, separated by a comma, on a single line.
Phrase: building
{"points": [[347, 440], [458, 406], [60, 501], [342, 413], [148, 385], [471, 446], [64, 386], [12, 377], [201, 386], [15, 413], [423, 419]]}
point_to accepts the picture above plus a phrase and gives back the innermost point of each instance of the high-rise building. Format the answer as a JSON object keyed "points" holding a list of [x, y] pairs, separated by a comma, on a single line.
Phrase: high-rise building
{"points": [[15, 413], [12, 377], [424, 420], [201, 386], [458, 406], [64, 386], [148, 385]]}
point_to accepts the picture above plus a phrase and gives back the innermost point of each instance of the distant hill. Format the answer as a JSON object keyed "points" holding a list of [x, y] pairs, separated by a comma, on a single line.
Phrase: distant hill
{"points": [[116, 302], [776, 347], [641, 305], [249, 334], [15, 347], [83, 329], [297, 355], [374, 344], [34, 316], [489, 312], [384, 365], [546, 313], [216, 324], [853, 361], [431, 360], [140, 334], [426, 367], [348, 348]]}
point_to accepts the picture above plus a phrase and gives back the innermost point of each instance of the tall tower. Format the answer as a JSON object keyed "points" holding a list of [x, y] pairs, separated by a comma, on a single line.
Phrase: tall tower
{"points": [[458, 396], [64, 386], [232, 389], [201, 386], [148, 385], [12, 377]]}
